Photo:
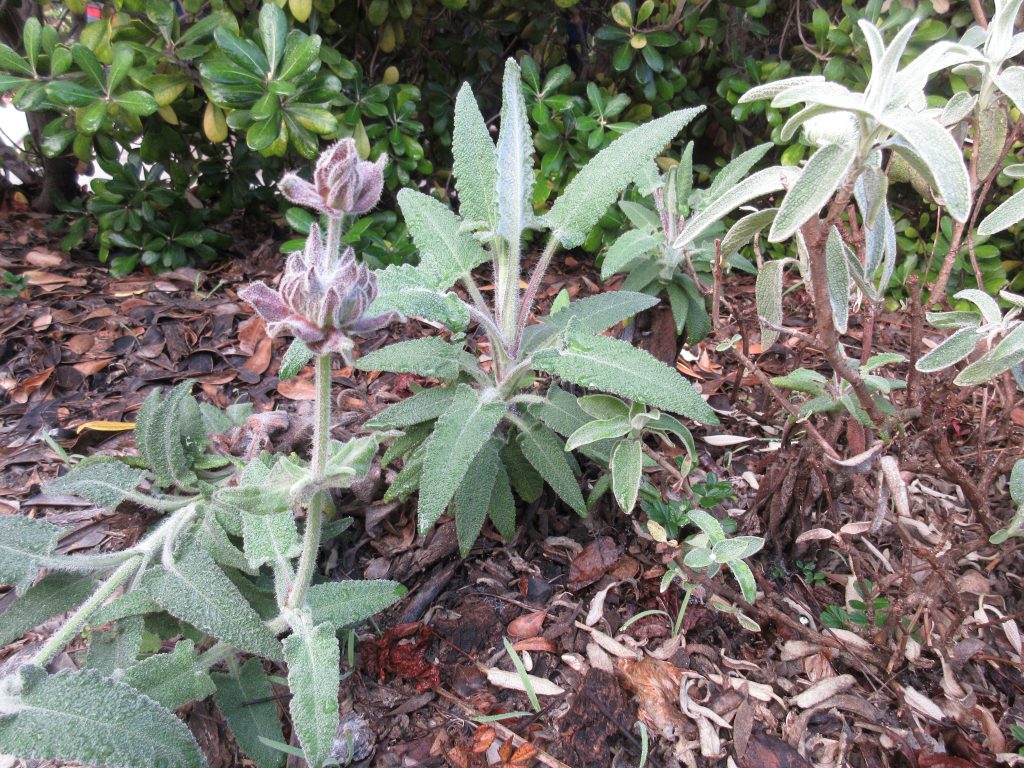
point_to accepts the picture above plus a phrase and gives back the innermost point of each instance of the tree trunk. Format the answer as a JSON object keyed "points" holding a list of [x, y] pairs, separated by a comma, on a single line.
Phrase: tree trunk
{"points": [[60, 177]]}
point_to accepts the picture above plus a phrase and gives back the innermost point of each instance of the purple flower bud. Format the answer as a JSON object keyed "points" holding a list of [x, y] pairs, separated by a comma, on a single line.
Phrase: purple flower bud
{"points": [[342, 183], [318, 302]]}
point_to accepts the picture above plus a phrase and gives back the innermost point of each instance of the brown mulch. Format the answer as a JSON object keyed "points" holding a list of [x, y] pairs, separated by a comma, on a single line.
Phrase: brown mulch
{"points": [[935, 683]]}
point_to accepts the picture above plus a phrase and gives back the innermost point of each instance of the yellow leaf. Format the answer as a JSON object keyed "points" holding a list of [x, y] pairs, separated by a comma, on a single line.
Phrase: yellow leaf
{"points": [[105, 426]]}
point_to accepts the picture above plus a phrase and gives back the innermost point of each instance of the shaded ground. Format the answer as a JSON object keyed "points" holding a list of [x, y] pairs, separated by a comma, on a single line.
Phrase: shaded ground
{"points": [[934, 680]]}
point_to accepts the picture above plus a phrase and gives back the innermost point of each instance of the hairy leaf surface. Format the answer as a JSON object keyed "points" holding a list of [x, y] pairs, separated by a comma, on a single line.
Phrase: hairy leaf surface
{"points": [[429, 356], [343, 603], [56, 594], [546, 452], [106, 483], [444, 250], [22, 541], [476, 160], [171, 679], [246, 699], [314, 677], [821, 177]]}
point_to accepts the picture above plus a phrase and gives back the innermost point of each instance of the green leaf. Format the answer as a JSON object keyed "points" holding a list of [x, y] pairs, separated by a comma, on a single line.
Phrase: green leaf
{"points": [[951, 351], [90, 65], [802, 380], [992, 364], [599, 429], [1017, 482], [515, 161], [824, 173], [295, 359], [314, 662], [627, 471], [85, 717], [300, 53], [738, 167], [243, 52], [444, 251], [698, 558], [115, 648], [986, 304], [459, 435], [560, 411], [596, 313], [837, 273], [273, 31], [417, 292], [546, 452], [346, 603], [429, 356], [708, 525], [599, 182], [1008, 213], [246, 699], [745, 578], [171, 679], [502, 509], [473, 498], [423, 406], [106, 483], [197, 591], [630, 246], [744, 229], [121, 62], [270, 538], [738, 548], [137, 103], [936, 148], [768, 290], [604, 406], [22, 541], [476, 160], [10, 61], [1011, 82], [55, 594], [773, 89], [520, 473], [611, 365], [169, 434]]}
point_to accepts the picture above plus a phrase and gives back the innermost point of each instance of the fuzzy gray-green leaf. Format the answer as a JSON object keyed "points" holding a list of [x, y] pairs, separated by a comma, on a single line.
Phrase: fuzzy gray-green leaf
{"points": [[603, 178], [599, 429], [515, 160], [768, 291], [951, 351], [627, 471], [837, 272], [444, 250], [423, 406], [56, 594], [171, 679], [429, 356], [936, 148], [473, 497], [106, 483], [520, 473], [270, 538], [611, 365], [459, 435], [596, 313], [246, 699], [344, 603], [86, 717], [197, 591], [314, 662], [295, 359], [502, 509], [169, 433], [824, 173], [1009, 212], [417, 292], [547, 454], [476, 161], [744, 229], [115, 647], [22, 541], [629, 247]]}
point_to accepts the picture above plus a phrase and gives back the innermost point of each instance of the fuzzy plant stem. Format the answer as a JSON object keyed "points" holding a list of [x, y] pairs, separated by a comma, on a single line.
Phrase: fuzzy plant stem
{"points": [[76, 623], [531, 291]]}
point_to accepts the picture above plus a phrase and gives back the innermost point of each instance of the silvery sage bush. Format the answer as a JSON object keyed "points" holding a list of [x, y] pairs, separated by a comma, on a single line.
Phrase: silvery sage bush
{"points": [[487, 431], [228, 567]]}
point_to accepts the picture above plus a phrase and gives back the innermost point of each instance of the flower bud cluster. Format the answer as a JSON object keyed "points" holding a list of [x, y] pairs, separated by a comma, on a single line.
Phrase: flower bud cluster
{"points": [[342, 183]]}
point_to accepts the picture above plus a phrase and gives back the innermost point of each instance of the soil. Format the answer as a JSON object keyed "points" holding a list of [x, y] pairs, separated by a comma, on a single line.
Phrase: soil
{"points": [[932, 679]]}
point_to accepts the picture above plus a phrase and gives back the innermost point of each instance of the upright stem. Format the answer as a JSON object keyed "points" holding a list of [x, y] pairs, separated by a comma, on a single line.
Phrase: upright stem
{"points": [[314, 515], [506, 286], [76, 623], [531, 292]]}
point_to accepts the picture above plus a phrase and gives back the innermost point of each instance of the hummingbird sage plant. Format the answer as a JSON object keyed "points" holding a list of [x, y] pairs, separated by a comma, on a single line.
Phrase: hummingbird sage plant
{"points": [[226, 568]]}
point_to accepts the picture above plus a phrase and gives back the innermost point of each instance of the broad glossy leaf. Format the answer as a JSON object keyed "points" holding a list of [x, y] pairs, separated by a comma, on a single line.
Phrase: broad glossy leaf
{"points": [[273, 31], [460, 433], [197, 591], [137, 103], [602, 179], [301, 52], [611, 365], [314, 662], [10, 61], [85, 717], [246, 699], [476, 160]]}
